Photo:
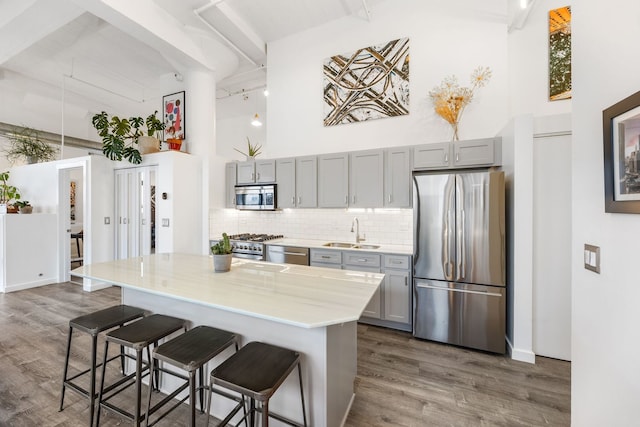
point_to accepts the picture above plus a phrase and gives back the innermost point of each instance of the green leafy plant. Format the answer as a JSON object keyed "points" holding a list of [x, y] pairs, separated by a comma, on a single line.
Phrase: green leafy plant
{"points": [[223, 247], [25, 143], [22, 203], [252, 150], [120, 136], [8, 193]]}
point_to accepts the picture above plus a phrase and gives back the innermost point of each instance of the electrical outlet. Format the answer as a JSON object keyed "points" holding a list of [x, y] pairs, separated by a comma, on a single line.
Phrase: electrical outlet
{"points": [[107, 220], [592, 258], [165, 222]]}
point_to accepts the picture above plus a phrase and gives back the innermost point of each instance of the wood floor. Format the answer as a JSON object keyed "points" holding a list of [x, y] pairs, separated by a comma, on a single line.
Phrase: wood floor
{"points": [[401, 381]]}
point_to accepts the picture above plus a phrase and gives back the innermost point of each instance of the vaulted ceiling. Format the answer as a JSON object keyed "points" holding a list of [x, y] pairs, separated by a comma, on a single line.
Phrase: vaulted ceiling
{"points": [[122, 48]]}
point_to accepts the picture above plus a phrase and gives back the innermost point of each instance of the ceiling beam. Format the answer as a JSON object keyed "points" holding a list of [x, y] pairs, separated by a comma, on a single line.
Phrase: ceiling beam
{"points": [[28, 25]]}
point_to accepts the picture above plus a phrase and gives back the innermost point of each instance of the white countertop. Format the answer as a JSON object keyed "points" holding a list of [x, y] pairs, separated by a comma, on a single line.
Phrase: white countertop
{"points": [[308, 297]]}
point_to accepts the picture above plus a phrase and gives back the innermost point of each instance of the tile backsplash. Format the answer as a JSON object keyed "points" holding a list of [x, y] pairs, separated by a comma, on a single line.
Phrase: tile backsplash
{"points": [[381, 226]]}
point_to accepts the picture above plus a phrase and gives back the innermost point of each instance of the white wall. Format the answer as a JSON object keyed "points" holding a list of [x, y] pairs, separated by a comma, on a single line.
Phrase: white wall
{"points": [[443, 41], [605, 375]]}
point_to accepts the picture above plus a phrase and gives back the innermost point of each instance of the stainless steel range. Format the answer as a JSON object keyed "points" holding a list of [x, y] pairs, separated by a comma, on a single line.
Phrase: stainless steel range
{"points": [[249, 246]]}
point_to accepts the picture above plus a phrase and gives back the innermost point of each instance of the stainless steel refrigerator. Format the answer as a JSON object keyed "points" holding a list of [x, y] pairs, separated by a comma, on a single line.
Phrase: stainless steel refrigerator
{"points": [[459, 258]]}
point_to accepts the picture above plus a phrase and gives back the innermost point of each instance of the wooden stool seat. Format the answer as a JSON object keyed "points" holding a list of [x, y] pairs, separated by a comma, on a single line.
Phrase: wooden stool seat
{"points": [[256, 371], [190, 352], [137, 336], [93, 324]]}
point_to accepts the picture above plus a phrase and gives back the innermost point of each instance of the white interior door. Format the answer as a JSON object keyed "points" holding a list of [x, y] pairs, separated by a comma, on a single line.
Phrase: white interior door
{"points": [[135, 211], [552, 247]]}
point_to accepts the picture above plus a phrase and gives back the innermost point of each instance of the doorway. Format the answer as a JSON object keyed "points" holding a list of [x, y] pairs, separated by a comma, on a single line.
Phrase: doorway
{"points": [[73, 211]]}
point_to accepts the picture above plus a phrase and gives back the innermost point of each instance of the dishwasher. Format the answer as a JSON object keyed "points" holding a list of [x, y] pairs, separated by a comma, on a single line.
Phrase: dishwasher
{"points": [[287, 254]]}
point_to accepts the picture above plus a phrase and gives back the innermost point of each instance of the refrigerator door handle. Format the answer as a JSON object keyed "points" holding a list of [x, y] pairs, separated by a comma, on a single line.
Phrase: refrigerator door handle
{"points": [[463, 291], [462, 258]]}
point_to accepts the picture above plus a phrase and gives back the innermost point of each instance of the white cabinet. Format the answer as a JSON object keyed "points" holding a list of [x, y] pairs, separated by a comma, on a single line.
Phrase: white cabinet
{"points": [[397, 288], [366, 172], [306, 182], [458, 154], [333, 180], [397, 178], [256, 171], [230, 185]]}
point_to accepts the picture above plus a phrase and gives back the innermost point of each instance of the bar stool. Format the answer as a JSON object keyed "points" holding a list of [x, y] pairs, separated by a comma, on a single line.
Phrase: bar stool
{"points": [[189, 352], [137, 336], [257, 370], [94, 324]]}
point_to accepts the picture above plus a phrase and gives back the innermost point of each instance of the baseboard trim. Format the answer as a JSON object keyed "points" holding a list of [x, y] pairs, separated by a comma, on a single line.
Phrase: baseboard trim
{"points": [[346, 414], [29, 285], [527, 356], [89, 285]]}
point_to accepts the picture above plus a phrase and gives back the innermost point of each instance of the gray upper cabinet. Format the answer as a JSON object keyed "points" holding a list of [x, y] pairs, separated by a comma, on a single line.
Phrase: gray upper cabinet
{"points": [[306, 182], [397, 178], [333, 180], [230, 185], [432, 156], [366, 171], [256, 171], [478, 152], [265, 171], [458, 154], [286, 181]]}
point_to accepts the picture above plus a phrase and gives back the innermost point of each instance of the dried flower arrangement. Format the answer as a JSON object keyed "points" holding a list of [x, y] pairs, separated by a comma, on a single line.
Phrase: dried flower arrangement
{"points": [[450, 100]]}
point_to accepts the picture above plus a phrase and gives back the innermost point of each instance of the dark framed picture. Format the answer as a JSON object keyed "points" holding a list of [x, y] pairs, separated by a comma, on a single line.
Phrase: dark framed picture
{"points": [[621, 136], [173, 116]]}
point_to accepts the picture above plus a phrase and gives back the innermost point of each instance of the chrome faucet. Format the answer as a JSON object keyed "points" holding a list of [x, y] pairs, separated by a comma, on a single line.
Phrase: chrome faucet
{"points": [[357, 229]]}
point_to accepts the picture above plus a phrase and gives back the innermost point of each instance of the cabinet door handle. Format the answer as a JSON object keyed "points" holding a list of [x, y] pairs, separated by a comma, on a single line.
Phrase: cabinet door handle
{"points": [[299, 199], [346, 199], [395, 261], [258, 176], [446, 158], [293, 200], [389, 198], [354, 200], [457, 157], [325, 257], [406, 281], [362, 260]]}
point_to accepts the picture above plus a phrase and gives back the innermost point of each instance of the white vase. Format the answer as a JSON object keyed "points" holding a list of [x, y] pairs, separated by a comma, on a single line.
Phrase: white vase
{"points": [[222, 263]]}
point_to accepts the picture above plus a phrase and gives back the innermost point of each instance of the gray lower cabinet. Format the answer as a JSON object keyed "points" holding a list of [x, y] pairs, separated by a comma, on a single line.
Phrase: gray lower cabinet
{"points": [[391, 305], [325, 258]]}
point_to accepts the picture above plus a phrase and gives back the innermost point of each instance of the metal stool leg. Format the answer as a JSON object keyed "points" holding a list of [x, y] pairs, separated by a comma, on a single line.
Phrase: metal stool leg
{"points": [[304, 414], [104, 366], [192, 397], [92, 386], [66, 368], [265, 413], [201, 390], [138, 387]]}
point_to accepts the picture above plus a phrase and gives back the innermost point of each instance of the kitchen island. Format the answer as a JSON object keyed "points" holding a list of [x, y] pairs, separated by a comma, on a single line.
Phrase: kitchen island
{"points": [[308, 309]]}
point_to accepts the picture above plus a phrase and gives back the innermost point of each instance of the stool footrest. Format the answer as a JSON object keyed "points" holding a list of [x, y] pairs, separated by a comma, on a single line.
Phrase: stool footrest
{"points": [[81, 390]]}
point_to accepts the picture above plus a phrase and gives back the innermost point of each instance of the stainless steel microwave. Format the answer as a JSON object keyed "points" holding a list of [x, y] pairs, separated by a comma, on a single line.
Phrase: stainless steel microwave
{"points": [[256, 197]]}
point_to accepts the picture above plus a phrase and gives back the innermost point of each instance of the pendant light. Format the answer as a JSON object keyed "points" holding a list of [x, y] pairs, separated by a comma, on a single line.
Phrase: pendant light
{"points": [[256, 121]]}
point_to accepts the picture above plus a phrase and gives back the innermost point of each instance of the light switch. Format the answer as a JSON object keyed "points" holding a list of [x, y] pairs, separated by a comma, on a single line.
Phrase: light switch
{"points": [[592, 258], [107, 220]]}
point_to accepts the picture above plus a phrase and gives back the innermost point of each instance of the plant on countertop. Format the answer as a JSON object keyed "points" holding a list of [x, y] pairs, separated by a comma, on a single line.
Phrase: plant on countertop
{"points": [[450, 100], [23, 206], [223, 247], [252, 150], [25, 143], [8, 193], [120, 136]]}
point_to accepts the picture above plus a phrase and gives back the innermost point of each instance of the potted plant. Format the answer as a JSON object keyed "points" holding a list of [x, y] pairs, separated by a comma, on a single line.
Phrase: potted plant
{"points": [[25, 143], [222, 254], [121, 137], [252, 150], [8, 194], [23, 206]]}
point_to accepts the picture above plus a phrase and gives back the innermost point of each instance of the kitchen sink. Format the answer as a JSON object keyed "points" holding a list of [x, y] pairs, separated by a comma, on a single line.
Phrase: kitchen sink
{"points": [[366, 246], [350, 245], [339, 245]]}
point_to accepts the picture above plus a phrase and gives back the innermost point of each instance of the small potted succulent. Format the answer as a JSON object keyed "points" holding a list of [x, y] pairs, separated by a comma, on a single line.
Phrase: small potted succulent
{"points": [[23, 206], [222, 254], [8, 195]]}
